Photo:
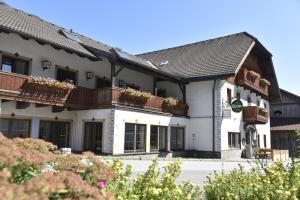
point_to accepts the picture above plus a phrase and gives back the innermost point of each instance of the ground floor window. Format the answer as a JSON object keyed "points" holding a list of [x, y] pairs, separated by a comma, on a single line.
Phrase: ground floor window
{"points": [[93, 137], [134, 137], [177, 138], [158, 138], [55, 132], [12, 128], [265, 141], [234, 140]]}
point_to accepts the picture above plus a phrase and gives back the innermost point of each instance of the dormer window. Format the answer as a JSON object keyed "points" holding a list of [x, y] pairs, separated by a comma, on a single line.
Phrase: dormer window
{"points": [[70, 35]]}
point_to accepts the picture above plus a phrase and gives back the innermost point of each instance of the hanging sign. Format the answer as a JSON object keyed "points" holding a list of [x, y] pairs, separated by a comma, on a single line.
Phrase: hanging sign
{"points": [[237, 106]]}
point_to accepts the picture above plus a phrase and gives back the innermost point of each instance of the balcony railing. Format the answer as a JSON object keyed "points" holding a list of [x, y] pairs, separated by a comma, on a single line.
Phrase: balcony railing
{"points": [[84, 98], [253, 85], [255, 115], [16, 87]]}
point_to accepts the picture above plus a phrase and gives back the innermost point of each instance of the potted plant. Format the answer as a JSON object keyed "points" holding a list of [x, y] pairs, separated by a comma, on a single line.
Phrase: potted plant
{"points": [[264, 83], [252, 75], [49, 82], [173, 106], [134, 96]]}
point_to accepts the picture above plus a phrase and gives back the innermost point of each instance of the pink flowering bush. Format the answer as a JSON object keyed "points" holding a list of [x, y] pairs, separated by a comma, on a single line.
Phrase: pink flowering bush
{"points": [[35, 170]]}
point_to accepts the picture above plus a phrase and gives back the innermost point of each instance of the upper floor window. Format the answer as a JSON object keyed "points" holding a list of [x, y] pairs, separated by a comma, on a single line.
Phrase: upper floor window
{"points": [[66, 75], [238, 95], [249, 100], [229, 99], [15, 65], [258, 102]]}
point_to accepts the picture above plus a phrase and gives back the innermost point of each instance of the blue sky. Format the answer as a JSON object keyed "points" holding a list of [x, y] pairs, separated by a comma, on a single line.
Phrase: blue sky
{"points": [[138, 26]]}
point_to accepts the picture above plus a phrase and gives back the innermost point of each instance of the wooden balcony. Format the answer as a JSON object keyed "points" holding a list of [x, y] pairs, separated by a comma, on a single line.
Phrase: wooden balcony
{"points": [[84, 98], [255, 115], [253, 85], [16, 87]]}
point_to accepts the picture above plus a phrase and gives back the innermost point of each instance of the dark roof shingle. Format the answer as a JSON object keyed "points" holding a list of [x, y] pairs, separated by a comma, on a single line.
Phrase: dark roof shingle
{"points": [[215, 57]]}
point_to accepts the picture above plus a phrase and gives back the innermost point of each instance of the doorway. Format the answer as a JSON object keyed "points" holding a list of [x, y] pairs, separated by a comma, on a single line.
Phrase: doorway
{"points": [[93, 137], [55, 132]]}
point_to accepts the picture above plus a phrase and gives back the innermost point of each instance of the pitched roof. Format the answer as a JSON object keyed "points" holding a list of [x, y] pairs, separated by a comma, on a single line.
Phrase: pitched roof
{"points": [[215, 57], [31, 26]]}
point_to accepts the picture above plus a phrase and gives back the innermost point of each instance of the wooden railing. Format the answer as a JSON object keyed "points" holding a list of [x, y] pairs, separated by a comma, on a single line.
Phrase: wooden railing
{"points": [[255, 115], [254, 85], [16, 87], [84, 98]]}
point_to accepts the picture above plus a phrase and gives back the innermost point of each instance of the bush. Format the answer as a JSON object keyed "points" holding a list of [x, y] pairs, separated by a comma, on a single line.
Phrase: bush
{"points": [[152, 184], [33, 169], [272, 183]]}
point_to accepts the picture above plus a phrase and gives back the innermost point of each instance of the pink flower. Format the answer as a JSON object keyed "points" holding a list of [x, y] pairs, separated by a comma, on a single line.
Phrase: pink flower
{"points": [[101, 183]]}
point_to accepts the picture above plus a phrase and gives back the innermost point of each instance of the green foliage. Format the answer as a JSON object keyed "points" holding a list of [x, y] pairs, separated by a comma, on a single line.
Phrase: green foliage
{"points": [[23, 172], [152, 184], [170, 102], [297, 152], [276, 182]]}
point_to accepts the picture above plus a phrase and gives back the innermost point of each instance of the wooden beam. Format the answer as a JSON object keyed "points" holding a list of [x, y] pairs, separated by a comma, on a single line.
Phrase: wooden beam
{"points": [[119, 70]]}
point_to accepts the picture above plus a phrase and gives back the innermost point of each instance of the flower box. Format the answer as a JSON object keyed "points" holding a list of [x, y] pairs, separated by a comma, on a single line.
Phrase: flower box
{"points": [[252, 75], [264, 83], [133, 96]]}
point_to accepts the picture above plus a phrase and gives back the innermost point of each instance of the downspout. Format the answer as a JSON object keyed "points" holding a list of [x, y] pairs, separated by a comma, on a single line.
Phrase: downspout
{"points": [[213, 116]]}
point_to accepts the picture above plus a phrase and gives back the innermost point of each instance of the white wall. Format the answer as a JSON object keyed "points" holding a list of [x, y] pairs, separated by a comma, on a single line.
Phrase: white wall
{"points": [[172, 89], [199, 97], [125, 116], [235, 123]]}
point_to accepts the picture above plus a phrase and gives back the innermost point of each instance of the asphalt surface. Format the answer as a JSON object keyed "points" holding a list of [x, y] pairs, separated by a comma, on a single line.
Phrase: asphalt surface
{"points": [[194, 170]]}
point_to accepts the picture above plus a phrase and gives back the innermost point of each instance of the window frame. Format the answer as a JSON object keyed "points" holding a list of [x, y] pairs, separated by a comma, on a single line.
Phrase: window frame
{"points": [[10, 125], [158, 129], [183, 142], [14, 58], [134, 138], [237, 140], [58, 67], [229, 96]]}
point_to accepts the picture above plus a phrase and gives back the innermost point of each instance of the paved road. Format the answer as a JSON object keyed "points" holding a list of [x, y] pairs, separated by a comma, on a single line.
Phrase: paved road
{"points": [[194, 170]]}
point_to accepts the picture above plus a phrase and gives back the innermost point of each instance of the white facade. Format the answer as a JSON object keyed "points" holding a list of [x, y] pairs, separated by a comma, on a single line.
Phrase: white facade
{"points": [[205, 130]]}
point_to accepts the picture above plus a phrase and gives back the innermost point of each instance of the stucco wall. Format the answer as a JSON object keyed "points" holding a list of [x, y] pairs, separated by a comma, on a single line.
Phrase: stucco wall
{"points": [[235, 122], [199, 96], [126, 116]]}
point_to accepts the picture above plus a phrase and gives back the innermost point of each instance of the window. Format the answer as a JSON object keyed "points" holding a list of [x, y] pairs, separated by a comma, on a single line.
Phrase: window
{"points": [[134, 137], [158, 138], [238, 95], [70, 35], [100, 83], [265, 141], [177, 138], [15, 65], [265, 105], [55, 132], [258, 140], [162, 92], [229, 96], [93, 137], [66, 75], [249, 100], [12, 128], [258, 102], [234, 140]]}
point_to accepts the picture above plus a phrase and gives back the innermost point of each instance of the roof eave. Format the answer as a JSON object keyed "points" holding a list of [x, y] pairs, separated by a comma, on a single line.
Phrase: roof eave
{"points": [[211, 77]]}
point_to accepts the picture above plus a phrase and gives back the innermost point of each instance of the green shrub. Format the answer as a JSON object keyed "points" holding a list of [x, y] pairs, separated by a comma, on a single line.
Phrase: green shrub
{"points": [[23, 172], [276, 182], [152, 184]]}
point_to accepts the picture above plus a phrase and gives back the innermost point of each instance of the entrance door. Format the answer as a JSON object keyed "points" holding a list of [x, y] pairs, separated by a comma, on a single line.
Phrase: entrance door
{"points": [[93, 137], [55, 132]]}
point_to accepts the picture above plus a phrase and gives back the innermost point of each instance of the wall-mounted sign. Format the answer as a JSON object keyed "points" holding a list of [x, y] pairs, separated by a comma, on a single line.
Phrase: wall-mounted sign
{"points": [[237, 106]]}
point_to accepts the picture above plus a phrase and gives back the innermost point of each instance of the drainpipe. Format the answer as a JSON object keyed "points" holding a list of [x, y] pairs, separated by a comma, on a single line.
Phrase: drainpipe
{"points": [[213, 116]]}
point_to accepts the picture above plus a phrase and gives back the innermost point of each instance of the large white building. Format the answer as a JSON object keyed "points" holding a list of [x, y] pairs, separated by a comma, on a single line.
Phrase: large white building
{"points": [[205, 78]]}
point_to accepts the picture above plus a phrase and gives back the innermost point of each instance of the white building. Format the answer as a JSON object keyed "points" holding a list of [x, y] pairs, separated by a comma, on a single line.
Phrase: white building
{"points": [[204, 77]]}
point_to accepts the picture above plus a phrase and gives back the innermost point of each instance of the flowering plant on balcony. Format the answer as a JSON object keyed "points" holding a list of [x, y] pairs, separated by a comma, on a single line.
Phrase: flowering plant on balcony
{"points": [[264, 82], [51, 82], [252, 75], [130, 94]]}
